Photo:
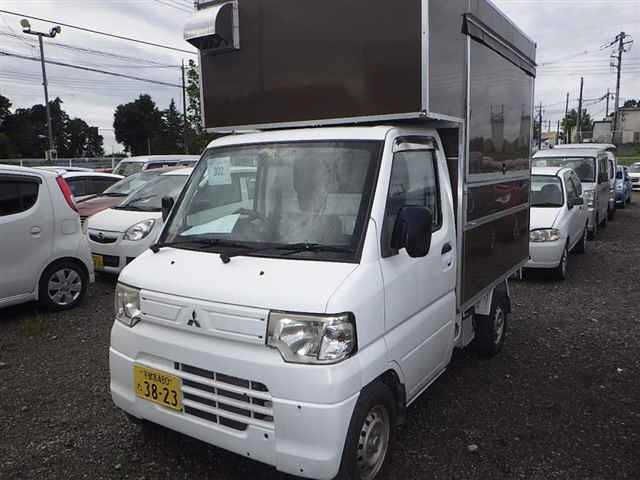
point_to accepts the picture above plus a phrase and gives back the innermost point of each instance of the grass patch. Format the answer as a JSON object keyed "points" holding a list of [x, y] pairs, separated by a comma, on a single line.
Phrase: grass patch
{"points": [[629, 160]]}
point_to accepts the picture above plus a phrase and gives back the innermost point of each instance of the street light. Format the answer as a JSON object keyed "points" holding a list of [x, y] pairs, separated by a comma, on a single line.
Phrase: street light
{"points": [[26, 28]]}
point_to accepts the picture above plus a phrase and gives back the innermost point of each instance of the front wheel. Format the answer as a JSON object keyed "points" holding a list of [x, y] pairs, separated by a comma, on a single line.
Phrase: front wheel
{"points": [[369, 435], [560, 272]]}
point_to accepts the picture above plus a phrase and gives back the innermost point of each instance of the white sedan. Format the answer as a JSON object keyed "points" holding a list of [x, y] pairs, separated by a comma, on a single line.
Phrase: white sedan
{"points": [[559, 219], [118, 235]]}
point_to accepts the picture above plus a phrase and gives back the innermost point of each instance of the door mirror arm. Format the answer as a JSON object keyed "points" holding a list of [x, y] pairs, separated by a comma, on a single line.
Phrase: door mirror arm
{"points": [[167, 205]]}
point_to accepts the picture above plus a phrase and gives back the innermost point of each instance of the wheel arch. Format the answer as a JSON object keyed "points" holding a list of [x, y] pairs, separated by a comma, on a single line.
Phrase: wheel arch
{"points": [[73, 260]]}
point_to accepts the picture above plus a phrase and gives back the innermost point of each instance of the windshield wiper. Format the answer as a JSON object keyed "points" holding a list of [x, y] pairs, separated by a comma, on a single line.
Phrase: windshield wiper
{"points": [[312, 247], [207, 243]]}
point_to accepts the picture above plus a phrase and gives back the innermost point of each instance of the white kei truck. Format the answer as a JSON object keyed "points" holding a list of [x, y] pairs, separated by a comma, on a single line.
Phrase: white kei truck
{"points": [[293, 316]]}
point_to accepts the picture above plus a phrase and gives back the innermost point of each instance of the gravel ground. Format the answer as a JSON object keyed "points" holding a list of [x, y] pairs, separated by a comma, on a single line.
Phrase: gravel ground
{"points": [[561, 402]]}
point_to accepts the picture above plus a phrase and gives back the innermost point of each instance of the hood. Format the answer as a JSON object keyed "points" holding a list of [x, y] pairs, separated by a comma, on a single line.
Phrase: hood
{"points": [[634, 174], [544, 217], [267, 283], [94, 205], [119, 220]]}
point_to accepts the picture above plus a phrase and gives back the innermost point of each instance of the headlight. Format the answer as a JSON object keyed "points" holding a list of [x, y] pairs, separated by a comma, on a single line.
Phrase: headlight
{"points": [[588, 198], [127, 305], [315, 339], [547, 235], [139, 230]]}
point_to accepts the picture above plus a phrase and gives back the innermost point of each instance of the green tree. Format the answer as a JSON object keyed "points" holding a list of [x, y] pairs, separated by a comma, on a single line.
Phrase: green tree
{"points": [[571, 120], [197, 137], [172, 140], [5, 108], [82, 140], [138, 125]]}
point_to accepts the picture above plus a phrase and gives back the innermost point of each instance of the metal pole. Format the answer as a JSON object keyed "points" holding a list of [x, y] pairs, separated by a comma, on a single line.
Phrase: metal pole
{"points": [[579, 123], [46, 98], [184, 111], [616, 121], [566, 119], [606, 115], [558, 133], [540, 128]]}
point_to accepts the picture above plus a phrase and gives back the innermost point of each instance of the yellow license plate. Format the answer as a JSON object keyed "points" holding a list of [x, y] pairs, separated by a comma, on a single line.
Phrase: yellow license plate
{"points": [[98, 261], [158, 387]]}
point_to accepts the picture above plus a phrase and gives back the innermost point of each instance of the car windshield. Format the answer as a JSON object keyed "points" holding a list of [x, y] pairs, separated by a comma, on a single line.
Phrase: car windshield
{"points": [[149, 197], [315, 194], [634, 169], [125, 168], [128, 185], [546, 192], [585, 167]]}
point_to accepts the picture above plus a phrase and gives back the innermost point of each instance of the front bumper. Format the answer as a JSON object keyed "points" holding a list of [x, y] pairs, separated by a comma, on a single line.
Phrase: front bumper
{"points": [[545, 254], [300, 437], [118, 253], [621, 197]]}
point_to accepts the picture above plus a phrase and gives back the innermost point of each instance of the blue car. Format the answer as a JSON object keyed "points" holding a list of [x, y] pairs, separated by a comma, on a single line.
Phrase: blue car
{"points": [[624, 187]]}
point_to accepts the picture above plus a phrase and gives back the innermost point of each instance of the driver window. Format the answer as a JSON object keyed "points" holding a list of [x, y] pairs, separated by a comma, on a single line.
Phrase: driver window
{"points": [[572, 195]]}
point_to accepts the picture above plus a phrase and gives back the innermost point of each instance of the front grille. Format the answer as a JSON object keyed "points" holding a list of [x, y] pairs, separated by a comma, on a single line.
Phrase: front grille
{"points": [[102, 238], [229, 401]]}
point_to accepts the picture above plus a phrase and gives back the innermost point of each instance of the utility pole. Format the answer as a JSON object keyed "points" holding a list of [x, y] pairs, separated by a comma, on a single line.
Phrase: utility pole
{"points": [[558, 133], [579, 122], [540, 128], [623, 43], [184, 111], [606, 115], [566, 121], [26, 28]]}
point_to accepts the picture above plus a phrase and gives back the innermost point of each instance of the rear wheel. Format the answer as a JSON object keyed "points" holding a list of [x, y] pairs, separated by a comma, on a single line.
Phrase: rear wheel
{"points": [[62, 285], [581, 246], [594, 231], [369, 435], [492, 329]]}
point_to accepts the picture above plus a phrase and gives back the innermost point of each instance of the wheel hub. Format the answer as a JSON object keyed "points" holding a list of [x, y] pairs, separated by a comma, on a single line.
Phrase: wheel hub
{"points": [[64, 287], [373, 442]]}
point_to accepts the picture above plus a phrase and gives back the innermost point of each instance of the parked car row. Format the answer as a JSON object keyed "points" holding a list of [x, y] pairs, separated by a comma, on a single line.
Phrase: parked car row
{"points": [[46, 211], [575, 190]]}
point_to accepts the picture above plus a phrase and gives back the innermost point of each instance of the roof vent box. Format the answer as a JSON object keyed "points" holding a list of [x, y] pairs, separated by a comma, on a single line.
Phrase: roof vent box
{"points": [[215, 28]]}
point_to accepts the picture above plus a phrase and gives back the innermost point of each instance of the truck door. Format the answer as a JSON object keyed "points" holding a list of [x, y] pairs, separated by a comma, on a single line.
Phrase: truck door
{"points": [[420, 292]]}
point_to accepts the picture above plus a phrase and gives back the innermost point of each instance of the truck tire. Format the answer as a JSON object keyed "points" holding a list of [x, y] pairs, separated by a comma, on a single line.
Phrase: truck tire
{"points": [[492, 329], [62, 286], [369, 435]]}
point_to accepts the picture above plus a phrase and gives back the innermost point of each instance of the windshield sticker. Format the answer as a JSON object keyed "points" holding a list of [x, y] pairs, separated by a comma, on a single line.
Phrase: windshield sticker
{"points": [[221, 225], [220, 171]]}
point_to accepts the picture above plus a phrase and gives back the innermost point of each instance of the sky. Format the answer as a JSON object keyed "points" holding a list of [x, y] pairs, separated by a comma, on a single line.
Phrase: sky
{"points": [[570, 35]]}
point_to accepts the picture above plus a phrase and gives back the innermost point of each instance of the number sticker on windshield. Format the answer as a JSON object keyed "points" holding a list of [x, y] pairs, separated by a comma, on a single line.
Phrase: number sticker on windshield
{"points": [[220, 171]]}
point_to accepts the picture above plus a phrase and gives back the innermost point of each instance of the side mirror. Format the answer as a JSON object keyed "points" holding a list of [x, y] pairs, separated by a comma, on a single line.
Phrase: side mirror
{"points": [[167, 205], [413, 231]]}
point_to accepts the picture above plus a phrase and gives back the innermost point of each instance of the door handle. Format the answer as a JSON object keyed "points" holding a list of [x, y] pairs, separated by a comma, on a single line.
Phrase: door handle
{"points": [[446, 248], [36, 231]]}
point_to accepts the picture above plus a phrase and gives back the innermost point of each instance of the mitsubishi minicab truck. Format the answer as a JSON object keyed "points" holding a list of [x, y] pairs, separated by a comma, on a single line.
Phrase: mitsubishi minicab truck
{"points": [[293, 315]]}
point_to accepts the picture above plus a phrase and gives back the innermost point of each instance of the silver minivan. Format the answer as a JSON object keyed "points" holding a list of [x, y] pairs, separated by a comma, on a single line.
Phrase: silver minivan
{"points": [[591, 164]]}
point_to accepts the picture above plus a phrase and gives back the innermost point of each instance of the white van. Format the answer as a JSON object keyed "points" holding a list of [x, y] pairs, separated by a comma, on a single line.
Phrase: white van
{"points": [[129, 166], [592, 167], [44, 255]]}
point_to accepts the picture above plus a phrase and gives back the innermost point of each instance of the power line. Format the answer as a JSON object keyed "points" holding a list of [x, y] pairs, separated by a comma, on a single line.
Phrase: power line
{"points": [[87, 69], [97, 32]]}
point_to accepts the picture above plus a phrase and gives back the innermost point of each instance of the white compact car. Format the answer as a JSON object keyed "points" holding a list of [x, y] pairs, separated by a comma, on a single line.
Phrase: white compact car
{"points": [[132, 165], [44, 255], [634, 174], [559, 219], [119, 234]]}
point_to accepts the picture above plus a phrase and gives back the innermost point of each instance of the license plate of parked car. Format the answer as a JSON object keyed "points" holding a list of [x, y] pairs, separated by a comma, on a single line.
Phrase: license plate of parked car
{"points": [[158, 387], [98, 261]]}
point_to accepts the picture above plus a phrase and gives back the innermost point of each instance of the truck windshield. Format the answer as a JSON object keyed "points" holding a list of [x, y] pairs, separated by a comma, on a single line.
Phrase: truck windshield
{"points": [[128, 185], [125, 168], [546, 192], [269, 197], [585, 167]]}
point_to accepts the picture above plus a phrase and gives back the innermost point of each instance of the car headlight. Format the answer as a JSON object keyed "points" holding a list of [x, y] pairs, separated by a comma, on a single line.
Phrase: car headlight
{"points": [[312, 339], [127, 305], [140, 230], [545, 235], [588, 198]]}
